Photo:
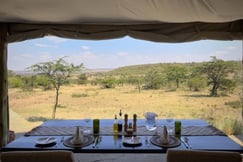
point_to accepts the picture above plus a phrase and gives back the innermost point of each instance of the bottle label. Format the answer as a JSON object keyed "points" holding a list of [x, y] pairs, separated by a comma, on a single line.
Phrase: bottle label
{"points": [[115, 127]]}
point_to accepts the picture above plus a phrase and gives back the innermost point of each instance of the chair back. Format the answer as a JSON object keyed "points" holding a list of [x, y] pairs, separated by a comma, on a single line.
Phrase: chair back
{"points": [[37, 156], [202, 156]]}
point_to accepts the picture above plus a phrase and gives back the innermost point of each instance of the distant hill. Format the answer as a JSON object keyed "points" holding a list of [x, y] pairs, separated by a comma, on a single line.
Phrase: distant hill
{"points": [[145, 68], [97, 70], [22, 72], [142, 69], [29, 73]]}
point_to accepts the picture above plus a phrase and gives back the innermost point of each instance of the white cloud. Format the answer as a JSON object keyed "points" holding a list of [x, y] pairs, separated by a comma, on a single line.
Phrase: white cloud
{"points": [[45, 56], [45, 45], [88, 55], [85, 47], [122, 54], [56, 39], [25, 56], [229, 53], [231, 48]]}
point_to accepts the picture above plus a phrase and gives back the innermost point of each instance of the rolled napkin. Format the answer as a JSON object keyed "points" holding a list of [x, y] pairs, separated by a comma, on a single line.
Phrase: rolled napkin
{"points": [[165, 138], [78, 137], [150, 115]]}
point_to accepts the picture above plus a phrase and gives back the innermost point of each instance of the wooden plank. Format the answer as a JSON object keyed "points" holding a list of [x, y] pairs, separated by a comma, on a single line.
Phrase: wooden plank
{"points": [[4, 115]]}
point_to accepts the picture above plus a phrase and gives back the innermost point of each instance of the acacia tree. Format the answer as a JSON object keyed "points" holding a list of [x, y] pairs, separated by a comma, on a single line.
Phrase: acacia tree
{"points": [[58, 72], [154, 80], [176, 73], [217, 72]]}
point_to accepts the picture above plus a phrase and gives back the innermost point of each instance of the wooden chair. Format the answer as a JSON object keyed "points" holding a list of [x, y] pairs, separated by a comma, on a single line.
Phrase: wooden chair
{"points": [[37, 156], [202, 156]]}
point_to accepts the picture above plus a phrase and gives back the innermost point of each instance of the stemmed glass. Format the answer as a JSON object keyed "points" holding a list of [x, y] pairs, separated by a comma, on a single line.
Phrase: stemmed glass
{"points": [[169, 122], [87, 125]]}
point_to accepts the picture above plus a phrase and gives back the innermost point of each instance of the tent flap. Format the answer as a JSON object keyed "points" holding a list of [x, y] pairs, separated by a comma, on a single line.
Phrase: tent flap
{"points": [[163, 32]]}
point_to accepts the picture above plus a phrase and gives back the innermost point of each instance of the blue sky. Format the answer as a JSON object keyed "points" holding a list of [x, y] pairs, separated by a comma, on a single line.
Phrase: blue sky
{"points": [[117, 52]]}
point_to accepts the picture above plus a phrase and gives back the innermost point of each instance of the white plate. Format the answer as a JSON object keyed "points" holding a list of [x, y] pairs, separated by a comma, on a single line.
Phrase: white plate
{"points": [[129, 141], [46, 140]]}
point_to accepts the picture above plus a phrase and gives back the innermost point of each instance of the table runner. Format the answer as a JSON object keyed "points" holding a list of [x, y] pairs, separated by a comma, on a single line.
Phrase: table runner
{"points": [[141, 130]]}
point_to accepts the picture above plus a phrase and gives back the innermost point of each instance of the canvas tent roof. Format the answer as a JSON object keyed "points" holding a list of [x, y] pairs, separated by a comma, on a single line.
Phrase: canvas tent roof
{"points": [[120, 11], [155, 20]]}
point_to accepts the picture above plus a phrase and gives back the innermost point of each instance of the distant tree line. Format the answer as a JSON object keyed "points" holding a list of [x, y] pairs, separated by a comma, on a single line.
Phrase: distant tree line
{"points": [[220, 77]]}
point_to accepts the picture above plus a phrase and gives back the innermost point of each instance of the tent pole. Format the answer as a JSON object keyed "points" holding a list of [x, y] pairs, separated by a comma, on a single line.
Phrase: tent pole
{"points": [[4, 112], [241, 93]]}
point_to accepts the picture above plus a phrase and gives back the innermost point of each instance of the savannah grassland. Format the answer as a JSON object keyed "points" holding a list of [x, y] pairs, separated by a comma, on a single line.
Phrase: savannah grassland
{"points": [[88, 101]]}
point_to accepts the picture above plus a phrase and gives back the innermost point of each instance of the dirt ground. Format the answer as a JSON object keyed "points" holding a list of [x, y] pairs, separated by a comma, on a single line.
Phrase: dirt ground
{"points": [[18, 124]]}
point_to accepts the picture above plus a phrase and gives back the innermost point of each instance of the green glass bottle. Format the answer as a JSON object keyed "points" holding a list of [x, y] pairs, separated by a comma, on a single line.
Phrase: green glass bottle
{"points": [[96, 126], [178, 129]]}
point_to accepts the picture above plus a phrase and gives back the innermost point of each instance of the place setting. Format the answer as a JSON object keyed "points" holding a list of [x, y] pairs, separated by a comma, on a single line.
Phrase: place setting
{"points": [[79, 139], [132, 141], [165, 140], [46, 142]]}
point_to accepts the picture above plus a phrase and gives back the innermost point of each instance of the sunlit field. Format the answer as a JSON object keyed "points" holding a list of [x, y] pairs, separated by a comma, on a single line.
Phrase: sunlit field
{"points": [[86, 101]]}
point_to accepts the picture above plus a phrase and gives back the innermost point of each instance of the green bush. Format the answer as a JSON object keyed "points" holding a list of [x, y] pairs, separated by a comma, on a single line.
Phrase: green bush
{"points": [[82, 79], [108, 83], [14, 82], [43, 81], [37, 119], [196, 84], [154, 80], [28, 82]]}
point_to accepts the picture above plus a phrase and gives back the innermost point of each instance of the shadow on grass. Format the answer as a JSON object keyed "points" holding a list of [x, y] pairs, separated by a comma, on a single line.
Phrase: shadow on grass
{"points": [[198, 95], [37, 119]]}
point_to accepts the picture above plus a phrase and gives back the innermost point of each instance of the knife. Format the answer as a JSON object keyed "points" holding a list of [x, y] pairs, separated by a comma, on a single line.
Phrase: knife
{"points": [[95, 142], [185, 144]]}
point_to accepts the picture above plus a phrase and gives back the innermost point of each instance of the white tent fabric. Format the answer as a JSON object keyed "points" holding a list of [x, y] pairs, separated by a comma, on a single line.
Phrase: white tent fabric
{"points": [[154, 20], [119, 11]]}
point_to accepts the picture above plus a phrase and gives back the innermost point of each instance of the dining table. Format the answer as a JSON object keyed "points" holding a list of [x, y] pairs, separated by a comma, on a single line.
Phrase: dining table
{"points": [[196, 134]]}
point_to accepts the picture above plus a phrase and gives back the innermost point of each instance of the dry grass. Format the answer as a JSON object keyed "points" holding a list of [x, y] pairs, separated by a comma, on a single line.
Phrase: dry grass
{"points": [[93, 102]]}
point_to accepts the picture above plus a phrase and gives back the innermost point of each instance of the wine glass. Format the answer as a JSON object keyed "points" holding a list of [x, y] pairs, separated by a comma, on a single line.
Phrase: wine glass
{"points": [[169, 123], [87, 125]]}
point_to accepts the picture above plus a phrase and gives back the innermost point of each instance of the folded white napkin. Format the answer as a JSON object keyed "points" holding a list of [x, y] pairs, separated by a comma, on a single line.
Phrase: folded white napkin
{"points": [[165, 138], [78, 137]]}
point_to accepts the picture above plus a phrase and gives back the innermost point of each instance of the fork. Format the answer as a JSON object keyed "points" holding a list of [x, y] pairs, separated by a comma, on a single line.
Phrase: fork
{"points": [[184, 142], [187, 142]]}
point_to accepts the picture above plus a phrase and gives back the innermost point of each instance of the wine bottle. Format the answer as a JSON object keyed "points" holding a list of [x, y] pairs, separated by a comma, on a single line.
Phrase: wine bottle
{"points": [[120, 122], [115, 125]]}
